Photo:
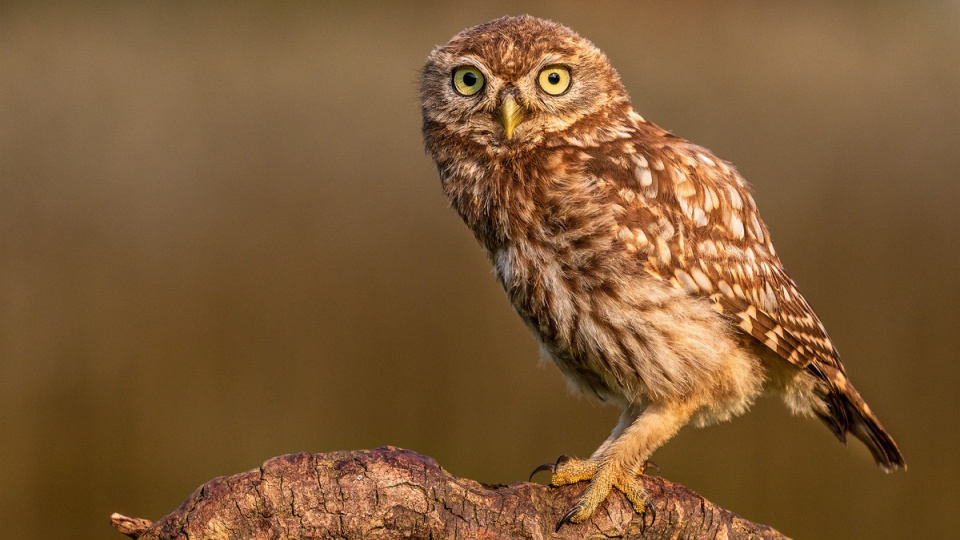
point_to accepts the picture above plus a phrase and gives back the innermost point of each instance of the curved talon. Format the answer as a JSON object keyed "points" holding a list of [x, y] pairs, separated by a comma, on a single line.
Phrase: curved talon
{"points": [[566, 517], [552, 467], [649, 464], [652, 508]]}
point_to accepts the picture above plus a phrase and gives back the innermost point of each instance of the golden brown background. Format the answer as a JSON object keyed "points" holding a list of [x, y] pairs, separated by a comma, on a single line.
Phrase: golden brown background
{"points": [[221, 240]]}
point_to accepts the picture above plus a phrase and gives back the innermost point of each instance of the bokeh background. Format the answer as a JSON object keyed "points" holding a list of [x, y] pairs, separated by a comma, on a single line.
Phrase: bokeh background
{"points": [[221, 241]]}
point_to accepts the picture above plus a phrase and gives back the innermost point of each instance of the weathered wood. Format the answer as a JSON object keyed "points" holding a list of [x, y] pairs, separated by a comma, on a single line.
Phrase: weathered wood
{"points": [[394, 493]]}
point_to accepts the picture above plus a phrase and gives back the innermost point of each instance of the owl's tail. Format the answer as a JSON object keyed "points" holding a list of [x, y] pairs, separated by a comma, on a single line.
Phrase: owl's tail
{"points": [[848, 413]]}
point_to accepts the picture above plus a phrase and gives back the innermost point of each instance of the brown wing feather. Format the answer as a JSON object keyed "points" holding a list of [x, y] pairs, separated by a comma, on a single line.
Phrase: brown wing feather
{"points": [[694, 219], [703, 234]]}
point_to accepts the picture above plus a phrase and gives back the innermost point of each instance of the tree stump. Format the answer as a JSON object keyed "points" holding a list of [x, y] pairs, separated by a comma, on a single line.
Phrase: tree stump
{"points": [[394, 493]]}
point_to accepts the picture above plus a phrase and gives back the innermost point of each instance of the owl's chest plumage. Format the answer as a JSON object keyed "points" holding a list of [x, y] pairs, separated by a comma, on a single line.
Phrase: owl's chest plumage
{"points": [[548, 227]]}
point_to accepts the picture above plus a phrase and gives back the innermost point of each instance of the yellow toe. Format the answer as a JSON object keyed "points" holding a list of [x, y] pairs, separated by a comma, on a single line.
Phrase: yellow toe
{"points": [[570, 471], [603, 479]]}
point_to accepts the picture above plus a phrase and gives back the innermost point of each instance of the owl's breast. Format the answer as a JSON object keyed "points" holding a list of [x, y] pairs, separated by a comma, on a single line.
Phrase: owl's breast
{"points": [[549, 232], [553, 246], [546, 296], [570, 299]]}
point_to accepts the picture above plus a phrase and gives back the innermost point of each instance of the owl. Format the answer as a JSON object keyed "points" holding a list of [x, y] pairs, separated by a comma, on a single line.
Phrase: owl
{"points": [[638, 259]]}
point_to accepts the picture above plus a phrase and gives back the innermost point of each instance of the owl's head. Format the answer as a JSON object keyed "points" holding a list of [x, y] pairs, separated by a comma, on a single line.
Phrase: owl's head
{"points": [[508, 83]]}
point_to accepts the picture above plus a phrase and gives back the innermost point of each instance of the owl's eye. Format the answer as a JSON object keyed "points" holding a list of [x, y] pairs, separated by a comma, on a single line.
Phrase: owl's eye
{"points": [[467, 80], [554, 80]]}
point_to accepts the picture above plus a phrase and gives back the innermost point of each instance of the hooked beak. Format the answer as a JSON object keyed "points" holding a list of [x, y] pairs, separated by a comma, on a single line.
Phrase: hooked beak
{"points": [[510, 115]]}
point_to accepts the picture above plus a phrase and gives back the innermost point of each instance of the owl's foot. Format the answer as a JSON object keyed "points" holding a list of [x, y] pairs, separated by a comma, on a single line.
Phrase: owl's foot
{"points": [[603, 479]]}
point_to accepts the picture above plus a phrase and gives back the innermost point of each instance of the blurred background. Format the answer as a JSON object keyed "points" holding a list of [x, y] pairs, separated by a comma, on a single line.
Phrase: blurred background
{"points": [[221, 241]]}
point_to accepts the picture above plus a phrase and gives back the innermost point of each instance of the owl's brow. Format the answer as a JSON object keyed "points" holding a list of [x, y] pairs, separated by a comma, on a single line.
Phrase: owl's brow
{"points": [[473, 61], [550, 60]]}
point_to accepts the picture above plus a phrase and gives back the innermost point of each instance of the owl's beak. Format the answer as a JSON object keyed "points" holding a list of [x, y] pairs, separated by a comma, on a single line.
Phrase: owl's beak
{"points": [[510, 115]]}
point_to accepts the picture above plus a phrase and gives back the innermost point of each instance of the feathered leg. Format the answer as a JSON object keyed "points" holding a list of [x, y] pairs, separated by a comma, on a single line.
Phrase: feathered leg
{"points": [[620, 460]]}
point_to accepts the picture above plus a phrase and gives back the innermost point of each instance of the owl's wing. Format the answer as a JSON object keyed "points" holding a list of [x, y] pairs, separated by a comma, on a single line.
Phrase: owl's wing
{"points": [[693, 224], [692, 220]]}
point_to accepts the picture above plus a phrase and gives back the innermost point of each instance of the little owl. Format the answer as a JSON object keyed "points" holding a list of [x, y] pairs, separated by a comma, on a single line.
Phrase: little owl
{"points": [[638, 259]]}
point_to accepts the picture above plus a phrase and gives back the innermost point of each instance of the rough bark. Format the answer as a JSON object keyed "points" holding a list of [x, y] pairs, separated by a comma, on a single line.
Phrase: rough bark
{"points": [[393, 493]]}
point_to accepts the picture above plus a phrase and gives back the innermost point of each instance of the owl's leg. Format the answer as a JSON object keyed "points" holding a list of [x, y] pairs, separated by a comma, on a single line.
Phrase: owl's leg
{"points": [[620, 461], [569, 470]]}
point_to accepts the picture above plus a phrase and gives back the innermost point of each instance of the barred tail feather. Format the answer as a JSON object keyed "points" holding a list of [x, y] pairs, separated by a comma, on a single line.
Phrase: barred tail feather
{"points": [[848, 413]]}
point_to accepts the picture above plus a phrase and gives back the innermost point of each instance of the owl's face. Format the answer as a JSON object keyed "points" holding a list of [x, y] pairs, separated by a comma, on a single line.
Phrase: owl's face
{"points": [[509, 83]]}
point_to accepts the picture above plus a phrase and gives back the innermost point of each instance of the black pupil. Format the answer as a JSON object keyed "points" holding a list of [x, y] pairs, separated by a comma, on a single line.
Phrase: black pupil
{"points": [[554, 78], [469, 79]]}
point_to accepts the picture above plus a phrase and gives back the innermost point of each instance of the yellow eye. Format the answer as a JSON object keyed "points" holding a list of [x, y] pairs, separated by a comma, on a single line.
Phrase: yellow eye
{"points": [[467, 80], [554, 80]]}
